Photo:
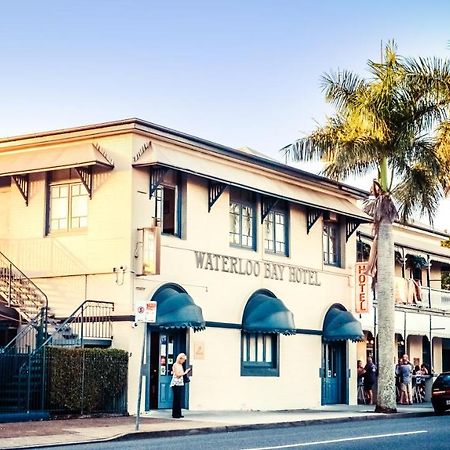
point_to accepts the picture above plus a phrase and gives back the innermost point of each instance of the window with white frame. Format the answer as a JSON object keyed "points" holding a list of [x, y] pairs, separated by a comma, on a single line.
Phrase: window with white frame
{"points": [[259, 354], [331, 249], [68, 207], [276, 232], [242, 219]]}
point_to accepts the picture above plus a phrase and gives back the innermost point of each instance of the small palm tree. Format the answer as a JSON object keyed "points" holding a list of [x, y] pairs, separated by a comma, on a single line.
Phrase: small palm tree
{"points": [[392, 124]]}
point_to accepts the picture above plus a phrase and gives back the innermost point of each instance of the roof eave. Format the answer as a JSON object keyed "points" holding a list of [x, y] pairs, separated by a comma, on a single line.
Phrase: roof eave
{"points": [[149, 127]]}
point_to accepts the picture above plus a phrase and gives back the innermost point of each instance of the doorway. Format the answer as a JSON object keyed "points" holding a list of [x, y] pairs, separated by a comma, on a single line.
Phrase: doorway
{"points": [[164, 347], [334, 381]]}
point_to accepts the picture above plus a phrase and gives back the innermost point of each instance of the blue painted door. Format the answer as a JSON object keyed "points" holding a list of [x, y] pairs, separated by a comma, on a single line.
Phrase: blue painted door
{"points": [[333, 376], [164, 348]]}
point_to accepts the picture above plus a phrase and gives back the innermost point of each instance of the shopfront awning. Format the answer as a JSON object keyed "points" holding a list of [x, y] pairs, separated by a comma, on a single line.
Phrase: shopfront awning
{"points": [[340, 325], [265, 313], [239, 175], [176, 309], [60, 157], [81, 157]]}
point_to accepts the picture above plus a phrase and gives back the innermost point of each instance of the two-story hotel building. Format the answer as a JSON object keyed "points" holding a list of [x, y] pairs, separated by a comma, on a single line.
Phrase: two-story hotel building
{"points": [[250, 261]]}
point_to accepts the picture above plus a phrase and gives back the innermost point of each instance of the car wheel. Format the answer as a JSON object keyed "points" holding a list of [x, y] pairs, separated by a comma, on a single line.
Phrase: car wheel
{"points": [[439, 411]]}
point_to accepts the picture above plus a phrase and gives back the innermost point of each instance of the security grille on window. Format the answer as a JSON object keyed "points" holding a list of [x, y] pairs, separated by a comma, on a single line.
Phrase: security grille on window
{"points": [[331, 254], [242, 219], [275, 232], [68, 207], [259, 354]]}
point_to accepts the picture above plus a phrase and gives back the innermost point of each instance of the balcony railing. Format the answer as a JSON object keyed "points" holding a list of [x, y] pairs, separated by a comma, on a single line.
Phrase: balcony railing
{"points": [[436, 298], [407, 292]]}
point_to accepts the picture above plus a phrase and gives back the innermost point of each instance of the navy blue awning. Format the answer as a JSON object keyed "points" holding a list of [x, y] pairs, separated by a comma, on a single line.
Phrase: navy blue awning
{"points": [[176, 309], [265, 313], [340, 325]]}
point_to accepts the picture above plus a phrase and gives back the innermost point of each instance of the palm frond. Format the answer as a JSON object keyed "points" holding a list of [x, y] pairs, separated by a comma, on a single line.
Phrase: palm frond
{"points": [[443, 153], [429, 74], [318, 145], [342, 88], [419, 192], [391, 116]]}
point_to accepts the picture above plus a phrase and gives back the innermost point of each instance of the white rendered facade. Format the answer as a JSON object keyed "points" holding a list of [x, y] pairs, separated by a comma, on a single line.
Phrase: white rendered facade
{"points": [[100, 257]]}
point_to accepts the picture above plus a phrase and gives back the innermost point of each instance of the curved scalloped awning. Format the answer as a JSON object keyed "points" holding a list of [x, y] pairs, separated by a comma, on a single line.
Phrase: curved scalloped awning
{"points": [[265, 313], [340, 325], [176, 309]]}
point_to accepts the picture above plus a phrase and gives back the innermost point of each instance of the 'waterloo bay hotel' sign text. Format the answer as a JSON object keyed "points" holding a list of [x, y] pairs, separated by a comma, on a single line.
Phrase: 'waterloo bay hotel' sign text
{"points": [[250, 267]]}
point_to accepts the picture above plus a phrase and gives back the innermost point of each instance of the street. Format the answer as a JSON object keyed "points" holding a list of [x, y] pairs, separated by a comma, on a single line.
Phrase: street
{"points": [[424, 433]]}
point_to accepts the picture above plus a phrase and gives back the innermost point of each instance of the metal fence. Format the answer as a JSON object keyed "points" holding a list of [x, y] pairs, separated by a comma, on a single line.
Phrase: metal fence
{"points": [[86, 381], [35, 377], [61, 381]]}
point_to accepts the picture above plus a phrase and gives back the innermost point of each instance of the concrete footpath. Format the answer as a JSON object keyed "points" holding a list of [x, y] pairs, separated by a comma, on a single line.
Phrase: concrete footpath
{"points": [[160, 423]]}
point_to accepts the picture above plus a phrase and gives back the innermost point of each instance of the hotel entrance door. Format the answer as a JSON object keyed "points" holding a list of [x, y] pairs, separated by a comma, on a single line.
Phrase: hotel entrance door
{"points": [[164, 348], [334, 380]]}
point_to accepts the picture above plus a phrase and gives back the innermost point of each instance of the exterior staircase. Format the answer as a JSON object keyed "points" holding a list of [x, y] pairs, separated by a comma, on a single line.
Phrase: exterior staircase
{"points": [[19, 292], [23, 360]]}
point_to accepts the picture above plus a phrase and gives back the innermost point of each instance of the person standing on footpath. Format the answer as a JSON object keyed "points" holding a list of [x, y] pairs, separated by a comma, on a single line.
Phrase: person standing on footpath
{"points": [[360, 371], [370, 377], [177, 384], [360, 382], [405, 370]]}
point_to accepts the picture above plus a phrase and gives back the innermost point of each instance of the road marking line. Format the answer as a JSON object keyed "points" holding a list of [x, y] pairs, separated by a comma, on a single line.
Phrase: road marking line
{"points": [[331, 441]]}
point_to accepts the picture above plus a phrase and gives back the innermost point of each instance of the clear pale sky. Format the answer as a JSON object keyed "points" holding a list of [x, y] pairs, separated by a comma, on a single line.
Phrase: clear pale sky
{"points": [[236, 72]]}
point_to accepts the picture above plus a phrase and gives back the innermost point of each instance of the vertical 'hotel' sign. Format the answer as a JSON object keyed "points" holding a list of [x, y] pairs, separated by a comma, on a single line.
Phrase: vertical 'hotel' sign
{"points": [[362, 288]]}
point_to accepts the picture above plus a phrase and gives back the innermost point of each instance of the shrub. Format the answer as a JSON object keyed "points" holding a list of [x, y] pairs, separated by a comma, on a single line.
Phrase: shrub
{"points": [[87, 380]]}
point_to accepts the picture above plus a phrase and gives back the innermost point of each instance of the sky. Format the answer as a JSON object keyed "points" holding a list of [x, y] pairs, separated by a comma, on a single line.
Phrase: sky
{"points": [[236, 72]]}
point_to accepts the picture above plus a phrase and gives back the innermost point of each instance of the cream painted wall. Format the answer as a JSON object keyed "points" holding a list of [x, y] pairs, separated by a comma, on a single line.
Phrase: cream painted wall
{"points": [[217, 383], [415, 348], [5, 196], [90, 255], [222, 297], [437, 355], [77, 266]]}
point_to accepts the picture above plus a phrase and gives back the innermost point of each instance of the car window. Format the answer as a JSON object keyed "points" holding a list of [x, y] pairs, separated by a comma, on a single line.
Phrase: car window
{"points": [[442, 381]]}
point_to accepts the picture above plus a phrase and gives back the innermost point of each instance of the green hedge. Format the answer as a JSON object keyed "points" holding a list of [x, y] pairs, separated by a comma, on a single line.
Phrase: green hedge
{"points": [[87, 380]]}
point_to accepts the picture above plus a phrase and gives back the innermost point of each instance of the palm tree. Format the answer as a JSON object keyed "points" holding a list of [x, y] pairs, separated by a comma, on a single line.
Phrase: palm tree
{"points": [[392, 124]]}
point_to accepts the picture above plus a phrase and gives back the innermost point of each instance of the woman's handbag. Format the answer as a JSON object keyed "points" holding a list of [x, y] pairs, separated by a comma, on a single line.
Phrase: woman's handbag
{"points": [[186, 379]]}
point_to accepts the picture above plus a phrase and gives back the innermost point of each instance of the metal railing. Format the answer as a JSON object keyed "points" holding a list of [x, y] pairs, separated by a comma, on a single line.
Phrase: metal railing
{"points": [[91, 320], [409, 293], [23, 362], [30, 336], [19, 291], [436, 298]]}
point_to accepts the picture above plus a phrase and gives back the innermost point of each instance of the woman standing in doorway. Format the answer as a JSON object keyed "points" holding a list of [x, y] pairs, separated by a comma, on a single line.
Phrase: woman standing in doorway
{"points": [[177, 384]]}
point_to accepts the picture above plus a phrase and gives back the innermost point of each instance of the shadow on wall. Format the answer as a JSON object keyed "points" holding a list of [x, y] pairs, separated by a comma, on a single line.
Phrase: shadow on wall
{"points": [[42, 257]]}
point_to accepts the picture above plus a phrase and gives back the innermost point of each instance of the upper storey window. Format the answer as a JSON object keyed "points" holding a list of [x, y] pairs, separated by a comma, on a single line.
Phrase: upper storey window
{"points": [[276, 232], [68, 207], [331, 243], [242, 219], [168, 205]]}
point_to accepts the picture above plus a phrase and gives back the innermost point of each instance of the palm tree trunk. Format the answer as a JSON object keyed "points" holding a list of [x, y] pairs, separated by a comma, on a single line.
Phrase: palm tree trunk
{"points": [[386, 398]]}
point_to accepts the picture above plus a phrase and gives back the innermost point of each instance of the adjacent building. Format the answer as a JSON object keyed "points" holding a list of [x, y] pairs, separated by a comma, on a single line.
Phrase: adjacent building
{"points": [[422, 296]]}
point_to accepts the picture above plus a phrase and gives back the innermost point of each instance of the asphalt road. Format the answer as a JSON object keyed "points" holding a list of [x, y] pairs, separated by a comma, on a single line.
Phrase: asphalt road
{"points": [[424, 433]]}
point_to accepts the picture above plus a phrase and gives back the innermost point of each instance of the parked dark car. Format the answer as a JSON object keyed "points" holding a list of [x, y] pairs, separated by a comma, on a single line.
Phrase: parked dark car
{"points": [[440, 394]]}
